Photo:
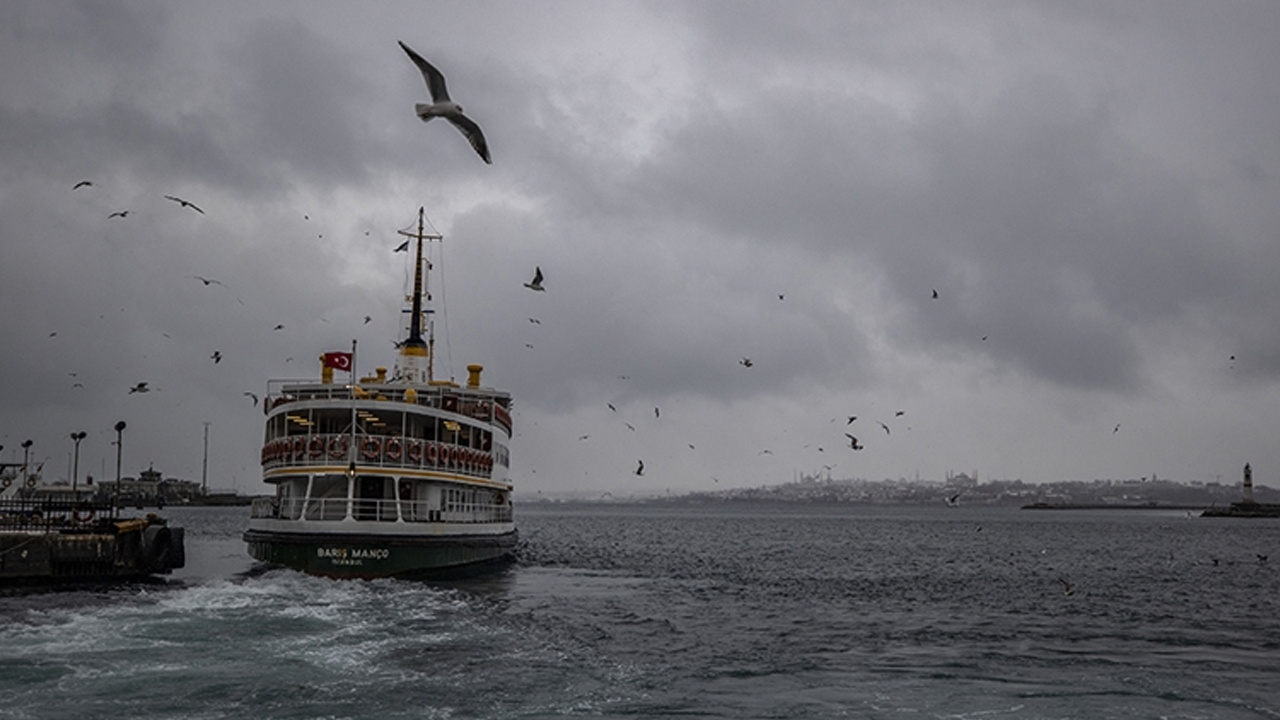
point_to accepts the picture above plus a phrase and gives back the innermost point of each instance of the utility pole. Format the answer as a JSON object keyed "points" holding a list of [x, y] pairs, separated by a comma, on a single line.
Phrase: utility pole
{"points": [[204, 467]]}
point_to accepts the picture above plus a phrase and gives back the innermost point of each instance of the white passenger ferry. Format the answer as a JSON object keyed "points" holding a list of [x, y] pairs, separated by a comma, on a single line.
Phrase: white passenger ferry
{"points": [[394, 474]]}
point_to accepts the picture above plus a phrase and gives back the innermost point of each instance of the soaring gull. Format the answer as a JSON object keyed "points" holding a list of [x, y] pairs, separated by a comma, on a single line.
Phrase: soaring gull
{"points": [[442, 106]]}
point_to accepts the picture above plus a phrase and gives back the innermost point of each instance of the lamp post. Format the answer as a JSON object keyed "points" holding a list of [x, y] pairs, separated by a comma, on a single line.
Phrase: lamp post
{"points": [[75, 465], [26, 453], [119, 440]]}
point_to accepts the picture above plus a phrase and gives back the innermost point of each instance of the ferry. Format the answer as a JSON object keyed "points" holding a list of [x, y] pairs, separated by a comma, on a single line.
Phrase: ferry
{"points": [[386, 475]]}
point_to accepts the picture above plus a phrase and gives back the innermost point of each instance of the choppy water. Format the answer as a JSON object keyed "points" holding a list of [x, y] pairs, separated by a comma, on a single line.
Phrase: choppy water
{"points": [[708, 612]]}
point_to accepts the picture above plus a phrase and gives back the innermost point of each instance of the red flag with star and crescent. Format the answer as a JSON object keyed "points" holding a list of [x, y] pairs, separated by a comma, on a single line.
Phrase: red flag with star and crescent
{"points": [[338, 360]]}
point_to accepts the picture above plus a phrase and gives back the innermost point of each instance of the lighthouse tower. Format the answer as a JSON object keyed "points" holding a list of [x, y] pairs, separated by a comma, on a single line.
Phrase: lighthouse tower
{"points": [[1248, 484]]}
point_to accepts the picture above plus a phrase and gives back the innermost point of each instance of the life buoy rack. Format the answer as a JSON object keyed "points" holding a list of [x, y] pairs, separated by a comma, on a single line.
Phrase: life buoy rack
{"points": [[415, 451], [31, 481], [370, 447], [433, 453], [82, 515], [393, 448], [338, 447], [6, 482], [315, 446]]}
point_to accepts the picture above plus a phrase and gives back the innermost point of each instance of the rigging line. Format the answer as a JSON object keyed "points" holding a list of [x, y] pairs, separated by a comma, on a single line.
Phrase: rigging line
{"points": [[444, 314]]}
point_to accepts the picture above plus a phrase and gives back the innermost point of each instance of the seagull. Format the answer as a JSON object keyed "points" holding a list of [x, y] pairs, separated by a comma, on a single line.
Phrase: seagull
{"points": [[535, 321], [630, 427], [745, 362], [1066, 587], [207, 281], [536, 284], [583, 437], [640, 468], [442, 106], [368, 319], [278, 327], [886, 428], [853, 442], [954, 500], [656, 413], [216, 356], [83, 183], [402, 247], [121, 214], [252, 395], [935, 294], [851, 419], [900, 413], [611, 407], [1116, 429], [139, 388], [184, 203]]}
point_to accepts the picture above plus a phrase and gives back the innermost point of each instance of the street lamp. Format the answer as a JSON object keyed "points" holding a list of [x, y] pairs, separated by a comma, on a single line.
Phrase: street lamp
{"points": [[119, 439], [75, 466], [26, 453]]}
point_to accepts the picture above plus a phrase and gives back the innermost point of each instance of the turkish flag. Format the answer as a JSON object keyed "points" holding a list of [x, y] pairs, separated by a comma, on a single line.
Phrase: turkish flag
{"points": [[338, 360]]}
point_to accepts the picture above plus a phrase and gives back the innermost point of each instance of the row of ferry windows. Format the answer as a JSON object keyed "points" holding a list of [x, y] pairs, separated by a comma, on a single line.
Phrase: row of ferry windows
{"points": [[394, 424]]}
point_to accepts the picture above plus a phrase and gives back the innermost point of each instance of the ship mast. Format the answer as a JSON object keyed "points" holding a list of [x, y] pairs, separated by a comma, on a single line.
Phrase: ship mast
{"points": [[414, 350]]}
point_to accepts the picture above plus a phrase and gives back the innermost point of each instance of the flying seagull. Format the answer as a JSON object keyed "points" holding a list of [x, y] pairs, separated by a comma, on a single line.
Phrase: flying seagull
{"points": [[640, 468], [402, 247], [1066, 587], [207, 281], [184, 203], [745, 362], [368, 319], [536, 283], [83, 183], [442, 106], [886, 428], [121, 214], [853, 442], [139, 388], [252, 395], [216, 357]]}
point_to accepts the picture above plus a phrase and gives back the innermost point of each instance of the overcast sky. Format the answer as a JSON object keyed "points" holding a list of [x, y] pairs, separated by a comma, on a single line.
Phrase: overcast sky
{"points": [[1090, 189]]}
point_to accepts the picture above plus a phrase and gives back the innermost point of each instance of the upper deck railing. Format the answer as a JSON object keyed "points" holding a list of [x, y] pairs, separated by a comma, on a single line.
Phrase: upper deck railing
{"points": [[477, 403], [377, 451]]}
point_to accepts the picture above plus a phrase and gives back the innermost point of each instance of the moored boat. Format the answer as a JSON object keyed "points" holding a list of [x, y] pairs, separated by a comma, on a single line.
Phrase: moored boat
{"points": [[394, 474]]}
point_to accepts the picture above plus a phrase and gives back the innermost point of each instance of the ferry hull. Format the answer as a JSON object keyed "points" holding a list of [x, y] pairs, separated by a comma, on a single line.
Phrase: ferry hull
{"points": [[376, 556]]}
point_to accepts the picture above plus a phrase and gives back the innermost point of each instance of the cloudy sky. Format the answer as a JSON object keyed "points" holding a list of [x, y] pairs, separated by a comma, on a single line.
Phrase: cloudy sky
{"points": [[1090, 189]]}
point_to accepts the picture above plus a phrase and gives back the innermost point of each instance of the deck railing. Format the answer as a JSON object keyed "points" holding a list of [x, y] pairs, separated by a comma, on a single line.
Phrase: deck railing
{"points": [[413, 511], [49, 515], [472, 403], [377, 451]]}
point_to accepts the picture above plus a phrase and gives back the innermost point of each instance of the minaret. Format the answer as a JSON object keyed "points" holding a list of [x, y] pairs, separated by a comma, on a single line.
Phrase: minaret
{"points": [[1248, 484]]}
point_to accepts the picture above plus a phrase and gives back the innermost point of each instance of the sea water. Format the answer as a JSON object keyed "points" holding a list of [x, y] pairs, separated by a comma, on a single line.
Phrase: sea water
{"points": [[708, 611]]}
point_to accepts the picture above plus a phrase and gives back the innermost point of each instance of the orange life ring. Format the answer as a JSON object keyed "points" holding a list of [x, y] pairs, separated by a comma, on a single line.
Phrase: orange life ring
{"points": [[393, 448], [433, 453], [80, 515], [315, 447], [7, 481], [370, 446], [415, 451], [31, 481], [338, 447]]}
